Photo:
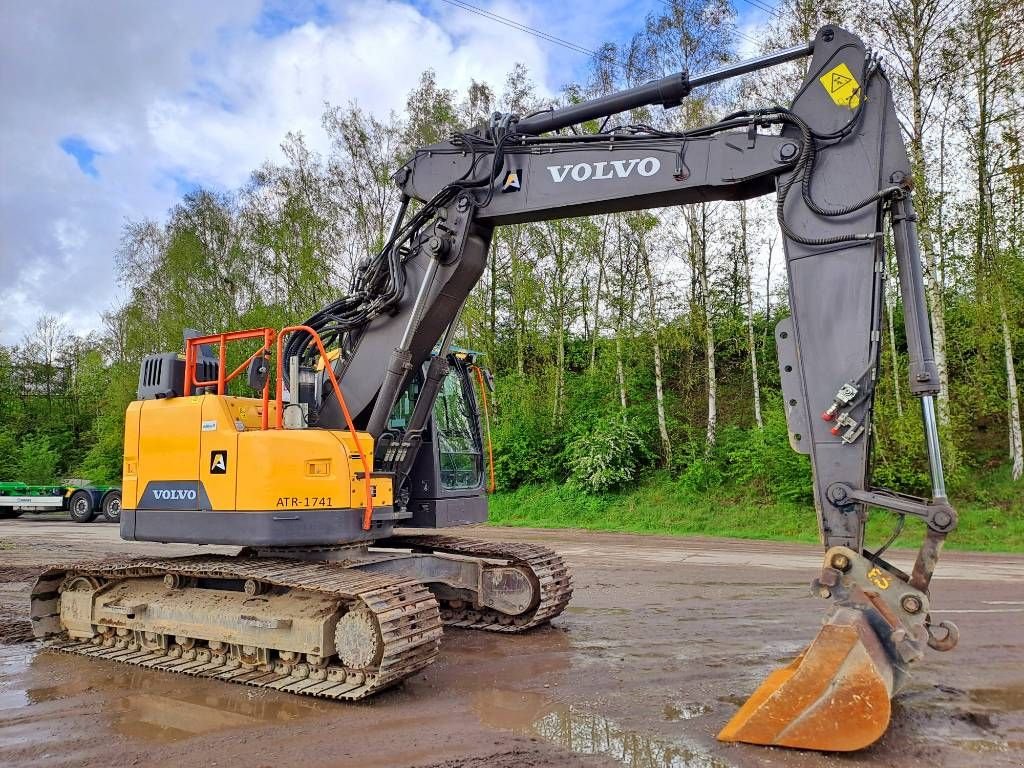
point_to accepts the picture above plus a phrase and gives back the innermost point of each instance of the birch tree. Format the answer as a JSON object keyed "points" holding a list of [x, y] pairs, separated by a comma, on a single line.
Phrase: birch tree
{"points": [[914, 33], [748, 282]]}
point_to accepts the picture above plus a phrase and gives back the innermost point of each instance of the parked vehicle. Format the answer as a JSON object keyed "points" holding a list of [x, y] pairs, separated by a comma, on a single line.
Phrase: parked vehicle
{"points": [[83, 500]]}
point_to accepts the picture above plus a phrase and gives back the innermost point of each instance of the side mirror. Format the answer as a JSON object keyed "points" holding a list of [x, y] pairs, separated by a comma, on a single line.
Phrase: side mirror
{"points": [[259, 370]]}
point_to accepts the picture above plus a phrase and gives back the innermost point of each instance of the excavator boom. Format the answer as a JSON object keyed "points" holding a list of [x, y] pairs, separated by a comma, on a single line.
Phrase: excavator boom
{"points": [[837, 163]]}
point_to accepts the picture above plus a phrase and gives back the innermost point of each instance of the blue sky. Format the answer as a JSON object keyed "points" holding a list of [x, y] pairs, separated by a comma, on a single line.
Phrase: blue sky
{"points": [[84, 154], [116, 110]]}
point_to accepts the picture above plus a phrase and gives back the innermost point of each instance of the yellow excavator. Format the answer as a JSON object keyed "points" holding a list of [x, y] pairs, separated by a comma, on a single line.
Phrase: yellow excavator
{"points": [[365, 418]]}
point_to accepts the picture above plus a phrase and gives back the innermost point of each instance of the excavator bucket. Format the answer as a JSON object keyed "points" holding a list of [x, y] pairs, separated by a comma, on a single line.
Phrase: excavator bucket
{"points": [[835, 696]]}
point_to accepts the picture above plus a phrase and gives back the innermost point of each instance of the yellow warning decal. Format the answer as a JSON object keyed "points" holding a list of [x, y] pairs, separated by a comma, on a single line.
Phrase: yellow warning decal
{"points": [[842, 86], [877, 577]]}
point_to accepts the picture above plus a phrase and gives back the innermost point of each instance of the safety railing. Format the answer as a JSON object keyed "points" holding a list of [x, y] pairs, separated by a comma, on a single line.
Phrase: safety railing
{"points": [[221, 382], [329, 369], [221, 340]]}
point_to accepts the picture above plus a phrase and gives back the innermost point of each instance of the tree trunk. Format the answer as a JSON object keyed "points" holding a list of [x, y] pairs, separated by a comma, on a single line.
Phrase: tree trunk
{"points": [[559, 378], [709, 351], [520, 351], [889, 304], [1012, 399], [751, 346], [699, 242], [597, 317], [659, 390], [892, 353], [492, 299], [597, 293], [620, 371]]}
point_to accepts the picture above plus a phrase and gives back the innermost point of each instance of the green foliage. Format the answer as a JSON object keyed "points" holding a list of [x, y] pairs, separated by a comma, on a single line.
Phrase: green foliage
{"points": [[102, 461], [657, 506], [698, 466], [37, 461], [763, 459], [8, 457], [524, 440], [760, 460], [606, 457]]}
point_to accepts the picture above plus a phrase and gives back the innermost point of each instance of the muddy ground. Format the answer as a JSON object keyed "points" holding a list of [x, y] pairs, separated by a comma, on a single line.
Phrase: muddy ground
{"points": [[664, 639]]}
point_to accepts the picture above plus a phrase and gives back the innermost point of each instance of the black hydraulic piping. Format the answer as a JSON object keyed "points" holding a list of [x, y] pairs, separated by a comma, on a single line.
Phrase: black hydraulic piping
{"points": [[668, 91]]}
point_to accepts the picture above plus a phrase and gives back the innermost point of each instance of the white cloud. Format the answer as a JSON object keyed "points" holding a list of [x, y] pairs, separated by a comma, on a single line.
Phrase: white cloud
{"points": [[372, 53], [187, 89], [204, 92]]}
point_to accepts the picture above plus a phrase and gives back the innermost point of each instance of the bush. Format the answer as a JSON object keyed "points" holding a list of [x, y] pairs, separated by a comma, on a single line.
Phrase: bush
{"points": [[606, 456], [525, 442], [763, 458], [757, 459], [900, 461], [701, 475], [521, 458], [8, 457], [37, 461]]}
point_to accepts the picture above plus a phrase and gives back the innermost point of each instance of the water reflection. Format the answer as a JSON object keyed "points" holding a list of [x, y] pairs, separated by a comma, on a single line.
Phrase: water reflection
{"points": [[583, 731], [684, 711], [156, 706]]}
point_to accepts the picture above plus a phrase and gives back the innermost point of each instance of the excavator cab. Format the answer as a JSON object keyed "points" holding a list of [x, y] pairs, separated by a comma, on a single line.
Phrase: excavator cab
{"points": [[447, 485]]}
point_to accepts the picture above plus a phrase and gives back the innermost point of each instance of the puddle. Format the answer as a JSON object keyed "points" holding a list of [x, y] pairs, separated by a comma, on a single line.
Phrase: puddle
{"points": [[583, 731], [676, 711], [12, 660], [146, 704], [982, 746], [183, 707], [733, 698], [162, 718], [584, 610], [1008, 699], [984, 708]]}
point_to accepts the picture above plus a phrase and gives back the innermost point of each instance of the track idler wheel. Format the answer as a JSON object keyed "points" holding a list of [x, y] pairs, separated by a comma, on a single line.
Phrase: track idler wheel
{"points": [[836, 696]]}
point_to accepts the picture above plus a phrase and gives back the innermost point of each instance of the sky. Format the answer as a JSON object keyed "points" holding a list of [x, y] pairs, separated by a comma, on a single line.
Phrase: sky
{"points": [[114, 109]]}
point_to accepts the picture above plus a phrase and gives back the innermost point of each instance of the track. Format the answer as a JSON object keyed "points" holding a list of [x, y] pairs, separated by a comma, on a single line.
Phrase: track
{"points": [[548, 568], [406, 615]]}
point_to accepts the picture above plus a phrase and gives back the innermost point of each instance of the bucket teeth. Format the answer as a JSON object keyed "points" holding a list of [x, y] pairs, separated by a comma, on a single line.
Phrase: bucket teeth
{"points": [[836, 696]]}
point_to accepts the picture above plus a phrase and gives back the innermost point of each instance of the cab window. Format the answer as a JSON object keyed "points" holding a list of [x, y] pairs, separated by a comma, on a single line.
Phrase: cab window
{"points": [[461, 458]]}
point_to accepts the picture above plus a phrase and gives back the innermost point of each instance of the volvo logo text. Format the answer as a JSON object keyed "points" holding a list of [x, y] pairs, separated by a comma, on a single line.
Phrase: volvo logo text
{"points": [[171, 494], [612, 169]]}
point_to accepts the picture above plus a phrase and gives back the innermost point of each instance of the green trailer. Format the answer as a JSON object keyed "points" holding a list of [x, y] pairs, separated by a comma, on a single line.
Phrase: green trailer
{"points": [[83, 500]]}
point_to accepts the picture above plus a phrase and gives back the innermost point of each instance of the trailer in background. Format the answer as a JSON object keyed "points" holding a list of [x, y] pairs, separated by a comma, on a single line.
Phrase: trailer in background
{"points": [[82, 500]]}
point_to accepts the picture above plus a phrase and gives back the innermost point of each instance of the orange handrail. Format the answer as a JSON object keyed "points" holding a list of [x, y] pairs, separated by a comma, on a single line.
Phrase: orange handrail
{"points": [[268, 335], [487, 421], [368, 514], [221, 382]]}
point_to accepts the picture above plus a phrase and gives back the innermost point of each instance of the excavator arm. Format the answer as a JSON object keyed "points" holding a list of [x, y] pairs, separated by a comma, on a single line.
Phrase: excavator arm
{"points": [[837, 164]]}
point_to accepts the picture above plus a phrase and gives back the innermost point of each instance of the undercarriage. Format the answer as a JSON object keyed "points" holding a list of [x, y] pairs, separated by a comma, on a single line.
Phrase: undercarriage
{"points": [[334, 622]]}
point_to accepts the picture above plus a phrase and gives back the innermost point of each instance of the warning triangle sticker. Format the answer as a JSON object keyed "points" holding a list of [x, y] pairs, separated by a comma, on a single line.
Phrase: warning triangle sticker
{"points": [[841, 86], [838, 81]]}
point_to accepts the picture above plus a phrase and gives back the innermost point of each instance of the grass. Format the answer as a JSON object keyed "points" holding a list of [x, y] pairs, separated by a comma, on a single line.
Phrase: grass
{"points": [[990, 507]]}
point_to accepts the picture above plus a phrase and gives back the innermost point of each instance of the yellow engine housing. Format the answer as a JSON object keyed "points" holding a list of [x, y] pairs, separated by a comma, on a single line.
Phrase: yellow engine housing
{"points": [[200, 469]]}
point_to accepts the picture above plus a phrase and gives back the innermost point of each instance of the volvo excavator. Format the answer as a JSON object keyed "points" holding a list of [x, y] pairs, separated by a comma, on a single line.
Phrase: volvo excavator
{"points": [[364, 418]]}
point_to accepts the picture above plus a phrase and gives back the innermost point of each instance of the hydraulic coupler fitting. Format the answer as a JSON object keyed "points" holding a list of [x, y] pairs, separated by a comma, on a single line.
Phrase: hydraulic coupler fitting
{"points": [[843, 397], [852, 427]]}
